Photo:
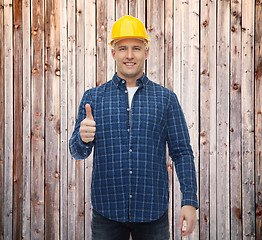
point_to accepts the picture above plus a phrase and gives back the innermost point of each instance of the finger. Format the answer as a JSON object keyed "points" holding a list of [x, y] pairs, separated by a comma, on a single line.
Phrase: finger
{"points": [[188, 229], [87, 140], [88, 123], [180, 222], [89, 112]]}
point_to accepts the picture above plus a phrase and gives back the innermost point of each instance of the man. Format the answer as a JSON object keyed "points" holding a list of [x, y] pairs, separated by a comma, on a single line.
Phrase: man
{"points": [[128, 121]]}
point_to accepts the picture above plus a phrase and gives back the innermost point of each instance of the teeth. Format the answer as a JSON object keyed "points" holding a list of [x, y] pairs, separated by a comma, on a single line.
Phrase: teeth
{"points": [[130, 64]]}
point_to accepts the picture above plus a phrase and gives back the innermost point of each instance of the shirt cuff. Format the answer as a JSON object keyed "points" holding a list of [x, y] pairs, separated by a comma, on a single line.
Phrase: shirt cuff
{"points": [[189, 199]]}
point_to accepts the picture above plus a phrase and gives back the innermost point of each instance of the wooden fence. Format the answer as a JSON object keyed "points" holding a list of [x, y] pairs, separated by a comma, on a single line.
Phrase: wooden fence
{"points": [[208, 51]]}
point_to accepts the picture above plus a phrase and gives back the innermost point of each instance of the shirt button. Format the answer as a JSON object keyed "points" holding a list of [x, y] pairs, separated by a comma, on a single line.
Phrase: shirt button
{"points": [[128, 129], [130, 195], [131, 172], [128, 109], [123, 81], [130, 150], [126, 91]]}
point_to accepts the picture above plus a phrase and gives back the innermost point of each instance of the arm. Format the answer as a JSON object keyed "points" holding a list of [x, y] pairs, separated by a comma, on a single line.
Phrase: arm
{"points": [[181, 153], [78, 148]]}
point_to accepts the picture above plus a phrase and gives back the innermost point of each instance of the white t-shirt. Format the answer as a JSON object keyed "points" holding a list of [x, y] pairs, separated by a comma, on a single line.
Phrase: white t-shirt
{"points": [[131, 93]]}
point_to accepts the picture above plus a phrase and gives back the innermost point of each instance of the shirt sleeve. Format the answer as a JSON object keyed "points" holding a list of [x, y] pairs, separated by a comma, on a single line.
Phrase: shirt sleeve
{"points": [[181, 152], [79, 149]]}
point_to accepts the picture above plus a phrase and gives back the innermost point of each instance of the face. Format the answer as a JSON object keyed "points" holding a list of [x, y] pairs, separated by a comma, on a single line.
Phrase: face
{"points": [[130, 55]]}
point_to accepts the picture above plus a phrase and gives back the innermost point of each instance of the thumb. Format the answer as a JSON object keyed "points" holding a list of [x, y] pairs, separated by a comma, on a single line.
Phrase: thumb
{"points": [[88, 112]]}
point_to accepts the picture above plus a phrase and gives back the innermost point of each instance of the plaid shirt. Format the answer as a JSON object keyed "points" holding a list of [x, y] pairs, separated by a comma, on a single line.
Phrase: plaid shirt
{"points": [[130, 178]]}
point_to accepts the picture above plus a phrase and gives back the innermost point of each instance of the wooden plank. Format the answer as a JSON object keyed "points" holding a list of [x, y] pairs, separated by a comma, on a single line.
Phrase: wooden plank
{"points": [[190, 77], [101, 44], [110, 63], [80, 84], [38, 113], [2, 119], [63, 121], [137, 9], [258, 116], [168, 71], [90, 81], [223, 41], [207, 165], [9, 117], [71, 116], [18, 132], [155, 27], [235, 121], [175, 85], [26, 220], [248, 191], [52, 119], [121, 8]]}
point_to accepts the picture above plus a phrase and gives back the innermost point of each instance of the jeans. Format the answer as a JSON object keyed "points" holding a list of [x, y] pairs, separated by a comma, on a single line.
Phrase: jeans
{"points": [[106, 229]]}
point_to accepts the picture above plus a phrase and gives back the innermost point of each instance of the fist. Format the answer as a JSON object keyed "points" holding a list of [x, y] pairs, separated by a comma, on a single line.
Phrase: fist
{"points": [[87, 127]]}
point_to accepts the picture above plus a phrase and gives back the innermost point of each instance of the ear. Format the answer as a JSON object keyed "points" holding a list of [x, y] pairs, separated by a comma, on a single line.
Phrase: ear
{"points": [[113, 53], [146, 53]]}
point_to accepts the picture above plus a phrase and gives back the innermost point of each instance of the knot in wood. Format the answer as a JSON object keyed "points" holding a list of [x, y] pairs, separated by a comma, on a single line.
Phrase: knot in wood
{"points": [[205, 23], [56, 174], [233, 29], [235, 87], [57, 72], [35, 31], [149, 29]]}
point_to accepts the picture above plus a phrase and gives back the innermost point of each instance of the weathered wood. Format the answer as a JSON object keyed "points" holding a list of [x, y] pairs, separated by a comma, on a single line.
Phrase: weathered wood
{"points": [[52, 119], [175, 86], [155, 27], [235, 121], [222, 114], [90, 81], [18, 132], [2, 119], [80, 87], [168, 71], [121, 8], [111, 68], [207, 166], [63, 121], [26, 220], [72, 109], [190, 77], [37, 120], [101, 42], [248, 191], [8, 121], [258, 116]]}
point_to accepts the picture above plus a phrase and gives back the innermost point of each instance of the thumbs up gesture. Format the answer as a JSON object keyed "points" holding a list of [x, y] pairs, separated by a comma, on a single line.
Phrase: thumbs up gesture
{"points": [[87, 128]]}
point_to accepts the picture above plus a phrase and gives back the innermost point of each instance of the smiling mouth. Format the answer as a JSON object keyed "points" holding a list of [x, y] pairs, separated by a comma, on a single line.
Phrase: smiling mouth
{"points": [[129, 64]]}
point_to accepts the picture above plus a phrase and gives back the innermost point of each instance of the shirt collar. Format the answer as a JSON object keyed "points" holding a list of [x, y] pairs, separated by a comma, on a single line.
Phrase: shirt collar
{"points": [[121, 83]]}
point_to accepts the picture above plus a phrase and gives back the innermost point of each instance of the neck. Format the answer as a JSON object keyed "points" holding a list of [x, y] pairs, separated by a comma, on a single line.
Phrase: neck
{"points": [[130, 82]]}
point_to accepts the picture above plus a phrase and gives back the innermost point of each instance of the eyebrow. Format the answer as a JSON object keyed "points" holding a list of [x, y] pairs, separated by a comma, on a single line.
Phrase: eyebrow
{"points": [[132, 46]]}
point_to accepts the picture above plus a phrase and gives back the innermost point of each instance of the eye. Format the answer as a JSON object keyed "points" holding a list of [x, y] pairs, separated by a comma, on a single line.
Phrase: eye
{"points": [[121, 48], [137, 48]]}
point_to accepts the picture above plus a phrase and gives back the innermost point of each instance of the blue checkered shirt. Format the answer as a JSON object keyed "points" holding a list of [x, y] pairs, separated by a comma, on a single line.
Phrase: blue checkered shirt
{"points": [[130, 178]]}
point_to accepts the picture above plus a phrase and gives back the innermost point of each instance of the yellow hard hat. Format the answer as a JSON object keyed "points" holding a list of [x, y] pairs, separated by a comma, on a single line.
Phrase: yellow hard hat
{"points": [[128, 27]]}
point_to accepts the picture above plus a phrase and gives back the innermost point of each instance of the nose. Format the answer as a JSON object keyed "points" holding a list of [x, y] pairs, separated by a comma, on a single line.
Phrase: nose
{"points": [[129, 54]]}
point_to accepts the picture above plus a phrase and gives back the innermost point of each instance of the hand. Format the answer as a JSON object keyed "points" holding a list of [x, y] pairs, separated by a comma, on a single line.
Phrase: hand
{"points": [[187, 213], [87, 128]]}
